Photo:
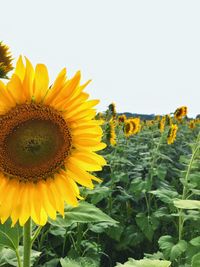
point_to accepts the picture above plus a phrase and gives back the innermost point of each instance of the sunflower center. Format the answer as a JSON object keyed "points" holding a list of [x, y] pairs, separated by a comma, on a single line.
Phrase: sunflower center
{"points": [[34, 142]]}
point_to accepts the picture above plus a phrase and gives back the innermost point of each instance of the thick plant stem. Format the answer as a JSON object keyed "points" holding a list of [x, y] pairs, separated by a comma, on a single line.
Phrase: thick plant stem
{"points": [[185, 187], [27, 244]]}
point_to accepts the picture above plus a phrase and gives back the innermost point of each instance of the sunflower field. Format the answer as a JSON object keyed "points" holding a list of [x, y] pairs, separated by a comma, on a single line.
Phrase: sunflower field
{"points": [[143, 209]]}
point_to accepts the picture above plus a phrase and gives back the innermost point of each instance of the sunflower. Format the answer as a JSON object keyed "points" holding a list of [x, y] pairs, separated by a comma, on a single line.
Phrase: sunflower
{"points": [[135, 125], [172, 134], [112, 108], [192, 124], [168, 120], [122, 118], [180, 113], [5, 60], [48, 141], [128, 128], [161, 124], [111, 133]]}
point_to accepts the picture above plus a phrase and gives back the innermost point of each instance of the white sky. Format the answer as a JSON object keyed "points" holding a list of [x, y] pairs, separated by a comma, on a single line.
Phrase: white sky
{"points": [[143, 55]]}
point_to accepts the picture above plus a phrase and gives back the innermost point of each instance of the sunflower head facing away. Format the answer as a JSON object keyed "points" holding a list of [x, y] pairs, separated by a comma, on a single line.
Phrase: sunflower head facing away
{"points": [[48, 143], [161, 124], [5, 60], [172, 134]]}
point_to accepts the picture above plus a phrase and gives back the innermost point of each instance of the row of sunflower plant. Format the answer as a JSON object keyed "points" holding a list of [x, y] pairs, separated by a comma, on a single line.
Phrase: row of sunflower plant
{"points": [[153, 175], [145, 203]]}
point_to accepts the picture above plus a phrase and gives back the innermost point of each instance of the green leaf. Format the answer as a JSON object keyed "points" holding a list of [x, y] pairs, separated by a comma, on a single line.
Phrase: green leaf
{"points": [[10, 236], [178, 249], [195, 241], [83, 213], [147, 224], [196, 260], [79, 262], [51, 263], [144, 263], [187, 204], [8, 256], [166, 243], [170, 249], [165, 195]]}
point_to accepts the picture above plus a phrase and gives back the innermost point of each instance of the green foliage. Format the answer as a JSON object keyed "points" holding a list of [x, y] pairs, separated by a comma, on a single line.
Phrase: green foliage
{"points": [[8, 257], [84, 213], [10, 236], [144, 263]]}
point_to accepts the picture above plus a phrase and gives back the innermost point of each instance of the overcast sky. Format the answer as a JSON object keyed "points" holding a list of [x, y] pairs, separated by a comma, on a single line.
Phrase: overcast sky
{"points": [[143, 55]]}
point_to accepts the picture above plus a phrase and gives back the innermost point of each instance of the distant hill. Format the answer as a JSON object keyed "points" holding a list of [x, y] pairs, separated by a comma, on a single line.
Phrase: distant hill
{"points": [[141, 116]]}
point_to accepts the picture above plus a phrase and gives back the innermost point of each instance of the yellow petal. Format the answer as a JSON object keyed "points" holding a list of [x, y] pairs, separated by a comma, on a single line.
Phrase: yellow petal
{"points": [[15, 88], [84, 163], [92, 147], [41, 82], [86, 115], [69, 87], [20, 68], [56, 87], [28, 80], [46, 203], [25, 207], [63, 187], [81, 108], [82, 177]]}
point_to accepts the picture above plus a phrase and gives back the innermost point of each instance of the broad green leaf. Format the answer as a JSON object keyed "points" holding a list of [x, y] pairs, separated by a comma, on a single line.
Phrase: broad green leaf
{"points": [[196, 260], [144, 263], [178, 249], [83, 213], [195, 241], [166, 243], [187, 204], [170, 249], [8, 256], [79, 262], [165, 195], [10, 236], [147, 224]]}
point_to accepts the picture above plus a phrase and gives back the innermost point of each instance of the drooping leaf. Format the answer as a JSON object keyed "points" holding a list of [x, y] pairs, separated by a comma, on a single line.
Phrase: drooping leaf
{"points": [[83, 213], [187, 204], [10, 236]]}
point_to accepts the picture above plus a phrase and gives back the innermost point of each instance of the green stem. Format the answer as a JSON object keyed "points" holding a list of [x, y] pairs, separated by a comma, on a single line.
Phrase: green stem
{"points": [[185, 188], [37, 232], [18, 258], [27, 244]]}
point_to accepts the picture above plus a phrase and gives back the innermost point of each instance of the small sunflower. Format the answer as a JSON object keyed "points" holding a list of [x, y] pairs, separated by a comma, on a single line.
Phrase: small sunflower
{"points": [[112, 108], [5, 60], [172, 134], [111, 133], [122, 118], [168, 120], [192, 124], [48, 141], [161, 124], [128, 128], [135, 125], [180, 113]]}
